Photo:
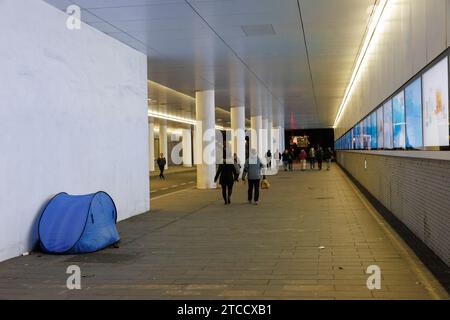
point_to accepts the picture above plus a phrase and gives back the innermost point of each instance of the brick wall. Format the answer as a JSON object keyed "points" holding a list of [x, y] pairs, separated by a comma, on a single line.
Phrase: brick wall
{"points": [[416, 191]]}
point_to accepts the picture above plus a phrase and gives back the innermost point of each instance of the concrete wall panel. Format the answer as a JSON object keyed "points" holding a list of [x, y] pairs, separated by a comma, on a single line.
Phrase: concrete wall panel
{"points": [[73, 118]]}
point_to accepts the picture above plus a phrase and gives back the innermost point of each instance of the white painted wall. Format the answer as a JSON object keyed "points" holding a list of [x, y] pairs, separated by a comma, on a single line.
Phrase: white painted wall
{"points": [[73, 117], [416, 33]]}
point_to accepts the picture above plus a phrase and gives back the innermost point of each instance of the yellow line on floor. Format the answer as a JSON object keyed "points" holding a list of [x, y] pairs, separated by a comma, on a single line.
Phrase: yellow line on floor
{"points": [[426, 277]]}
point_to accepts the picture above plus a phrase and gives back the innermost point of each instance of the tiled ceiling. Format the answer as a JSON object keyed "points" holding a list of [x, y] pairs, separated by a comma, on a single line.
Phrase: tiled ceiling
{"points": [[293, 56]]}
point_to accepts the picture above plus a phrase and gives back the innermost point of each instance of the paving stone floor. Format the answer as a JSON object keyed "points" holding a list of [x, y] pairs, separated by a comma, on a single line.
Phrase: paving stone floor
{"points": [[311, 237]]}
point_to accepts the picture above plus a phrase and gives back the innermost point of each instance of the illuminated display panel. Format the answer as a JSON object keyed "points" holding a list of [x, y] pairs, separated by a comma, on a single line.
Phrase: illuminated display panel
{"points": [[373, 126], [416, 118], [361, 135], [365, 130], [353, 138], [357, 131], [435, 105], [387, 116], [380, 128], [349, 140], [368, 125], [413, 106], [398, 120]]}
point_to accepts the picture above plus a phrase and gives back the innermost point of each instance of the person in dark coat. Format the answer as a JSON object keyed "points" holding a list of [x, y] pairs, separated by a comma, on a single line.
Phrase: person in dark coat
{"points": [[228, 174], [291, 160], [269, 159], [319, 157], [328, 157], [161, 165], [285, 157]]}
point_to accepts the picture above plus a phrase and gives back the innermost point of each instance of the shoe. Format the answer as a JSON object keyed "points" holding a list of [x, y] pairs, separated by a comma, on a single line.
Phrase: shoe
{"points": [[249, 201], [256, 203]]}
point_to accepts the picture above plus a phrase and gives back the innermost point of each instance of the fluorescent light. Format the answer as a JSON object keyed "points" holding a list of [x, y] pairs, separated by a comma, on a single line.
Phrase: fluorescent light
{"points": [[375, 28], [169, 131], [171, 90], [164, 116]]}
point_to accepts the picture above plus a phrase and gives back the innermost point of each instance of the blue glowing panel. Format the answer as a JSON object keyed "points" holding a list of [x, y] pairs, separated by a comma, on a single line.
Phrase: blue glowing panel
{"points": [[361, 135], [413, 106], [380, 128], [357, 136], [387, 116], [350, 140], [373, 126], [367, 134], [353, 138], [398, 119]]}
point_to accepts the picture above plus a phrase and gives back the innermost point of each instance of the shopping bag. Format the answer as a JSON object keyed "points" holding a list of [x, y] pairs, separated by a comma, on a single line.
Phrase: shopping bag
{"points": [[265, 184]]}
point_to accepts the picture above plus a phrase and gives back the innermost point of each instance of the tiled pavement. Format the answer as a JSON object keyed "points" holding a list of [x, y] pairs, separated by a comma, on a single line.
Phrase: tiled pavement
{"points": [[172, 170], [312, 237]]}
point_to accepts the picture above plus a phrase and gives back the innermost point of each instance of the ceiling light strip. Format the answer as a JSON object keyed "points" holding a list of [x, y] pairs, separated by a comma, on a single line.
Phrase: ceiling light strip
{"points": [[163, 87], [169, 131], [374, 27], [163, 116]]}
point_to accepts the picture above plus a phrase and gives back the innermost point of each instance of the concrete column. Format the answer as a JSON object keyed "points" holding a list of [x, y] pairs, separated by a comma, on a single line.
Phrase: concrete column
{"points": [[277, 140], [151, 145], [238, 132], [276, 143], [194, 144], [205, 139], [273, 148], [265, 137], [187, 148], [255, 138], [163, 148], [270, 136], [283, 142]]}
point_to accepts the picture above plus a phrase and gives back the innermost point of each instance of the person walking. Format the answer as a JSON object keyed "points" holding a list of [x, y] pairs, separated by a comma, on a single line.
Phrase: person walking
{"points": [[291, 160], [269, 159], [319, 157], [303, 157], [252, 169], [328, 156], [228, 175], [161, 165], [312, 158], [237, 166], [285, 158]]}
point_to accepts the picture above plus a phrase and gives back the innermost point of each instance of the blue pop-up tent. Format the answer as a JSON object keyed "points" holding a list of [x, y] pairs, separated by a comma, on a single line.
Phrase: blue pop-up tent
{"points": [[78, 224]]}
